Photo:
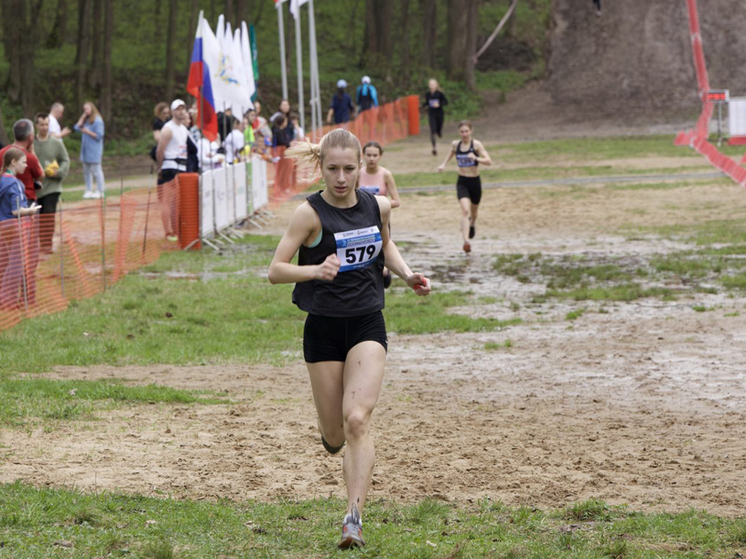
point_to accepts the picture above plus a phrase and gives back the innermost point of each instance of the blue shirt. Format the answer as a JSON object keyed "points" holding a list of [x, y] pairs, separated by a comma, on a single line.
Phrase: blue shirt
{"points": [[342, 107], [12, 196], [92, 149]]}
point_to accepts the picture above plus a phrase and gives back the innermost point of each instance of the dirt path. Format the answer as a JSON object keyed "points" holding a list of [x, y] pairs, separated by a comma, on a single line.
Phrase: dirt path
{"points": [[639, 404]]}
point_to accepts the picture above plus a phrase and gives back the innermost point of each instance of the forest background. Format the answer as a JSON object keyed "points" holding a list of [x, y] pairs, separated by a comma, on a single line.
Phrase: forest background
{"points": [[130, 54]]}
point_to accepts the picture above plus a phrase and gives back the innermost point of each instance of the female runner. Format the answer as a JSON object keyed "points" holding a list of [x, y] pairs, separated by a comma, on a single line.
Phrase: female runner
{"points": [[470, 153], [435, 100], [342, 236], [379, 181]]}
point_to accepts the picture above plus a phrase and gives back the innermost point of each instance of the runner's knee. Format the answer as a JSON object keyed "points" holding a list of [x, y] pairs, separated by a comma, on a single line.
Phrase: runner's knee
{"points": [[357, 423]]}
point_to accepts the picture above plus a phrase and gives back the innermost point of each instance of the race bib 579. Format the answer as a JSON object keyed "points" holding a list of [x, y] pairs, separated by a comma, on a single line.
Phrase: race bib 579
{"points": [[358, 248]]}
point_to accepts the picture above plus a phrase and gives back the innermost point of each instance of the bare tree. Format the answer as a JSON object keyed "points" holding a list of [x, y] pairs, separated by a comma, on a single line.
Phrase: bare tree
{"points": [[471, 44], [84, 41], [97, 43], [170, 48], [377, 46], [430, 31], [21, 35], [191, 30], [107, 106], [230, 12], [58, 34], [458, 27], [405, 35]]}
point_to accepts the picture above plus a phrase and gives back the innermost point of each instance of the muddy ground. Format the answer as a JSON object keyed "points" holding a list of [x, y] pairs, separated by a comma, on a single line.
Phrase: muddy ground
{"points": [[639, 403]]}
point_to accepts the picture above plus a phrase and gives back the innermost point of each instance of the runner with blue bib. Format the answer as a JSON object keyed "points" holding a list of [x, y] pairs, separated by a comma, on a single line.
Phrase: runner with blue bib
{"points": [[341, 235], [470, 153]]}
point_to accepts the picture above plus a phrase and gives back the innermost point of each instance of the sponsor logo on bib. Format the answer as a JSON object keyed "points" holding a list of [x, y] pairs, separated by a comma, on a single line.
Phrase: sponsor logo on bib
{"points": [[358, 248]]}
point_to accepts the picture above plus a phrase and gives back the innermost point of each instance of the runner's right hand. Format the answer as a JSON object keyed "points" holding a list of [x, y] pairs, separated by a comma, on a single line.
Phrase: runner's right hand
{"points": [[328, 270]]}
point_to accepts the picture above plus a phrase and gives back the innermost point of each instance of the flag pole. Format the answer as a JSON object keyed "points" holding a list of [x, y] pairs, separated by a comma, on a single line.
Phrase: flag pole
{"points": [[299, 65], [315, 63], [281, 27]]}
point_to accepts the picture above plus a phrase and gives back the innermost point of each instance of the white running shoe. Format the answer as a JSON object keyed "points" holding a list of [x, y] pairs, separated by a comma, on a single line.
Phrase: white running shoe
{"points": [[87, 195]]}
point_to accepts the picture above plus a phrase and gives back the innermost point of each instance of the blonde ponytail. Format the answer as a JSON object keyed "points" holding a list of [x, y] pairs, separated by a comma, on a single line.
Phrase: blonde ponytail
{"points": [[308, 154]]}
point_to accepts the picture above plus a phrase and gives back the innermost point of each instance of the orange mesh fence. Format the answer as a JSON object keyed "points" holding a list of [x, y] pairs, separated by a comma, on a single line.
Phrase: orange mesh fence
{"points": [[384, 124], [48, 260]]}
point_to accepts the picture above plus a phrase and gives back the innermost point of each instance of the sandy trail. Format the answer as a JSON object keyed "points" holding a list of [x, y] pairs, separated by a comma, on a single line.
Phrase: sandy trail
{"points": [[641, 404]]}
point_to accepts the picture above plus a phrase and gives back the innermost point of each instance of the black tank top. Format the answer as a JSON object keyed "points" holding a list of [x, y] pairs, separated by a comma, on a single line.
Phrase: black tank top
{"points": [[462, 157], [354, 234]]}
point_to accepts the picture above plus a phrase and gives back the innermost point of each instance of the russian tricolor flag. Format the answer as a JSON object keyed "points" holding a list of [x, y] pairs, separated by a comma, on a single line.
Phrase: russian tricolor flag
{"points": [[199, 86]]}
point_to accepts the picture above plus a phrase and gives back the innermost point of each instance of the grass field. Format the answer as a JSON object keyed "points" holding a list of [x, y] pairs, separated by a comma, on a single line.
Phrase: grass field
{"points": [[540, 274]]}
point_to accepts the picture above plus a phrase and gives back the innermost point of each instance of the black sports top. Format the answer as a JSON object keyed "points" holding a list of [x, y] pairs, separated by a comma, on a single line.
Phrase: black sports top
{"points": [[462, 157], [354, 234], [432, 99]]}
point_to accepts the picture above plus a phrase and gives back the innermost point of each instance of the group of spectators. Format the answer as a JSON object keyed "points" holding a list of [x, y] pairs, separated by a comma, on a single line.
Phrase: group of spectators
{"points": [[33, 168]]}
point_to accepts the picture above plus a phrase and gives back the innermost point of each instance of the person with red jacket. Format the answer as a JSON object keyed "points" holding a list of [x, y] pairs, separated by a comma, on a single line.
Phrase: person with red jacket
{"points": [[23, 132]]}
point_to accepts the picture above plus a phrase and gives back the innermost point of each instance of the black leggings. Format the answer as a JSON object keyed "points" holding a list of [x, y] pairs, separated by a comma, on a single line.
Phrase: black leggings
{"points": [[435, 116]]}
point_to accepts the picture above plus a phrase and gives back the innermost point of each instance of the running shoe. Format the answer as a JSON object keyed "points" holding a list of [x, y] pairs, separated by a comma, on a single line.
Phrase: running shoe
{"points": [[472, 231], [87, 195], [386, 279], [172, 238], [467, 247], [435, 151], [352, 530]]}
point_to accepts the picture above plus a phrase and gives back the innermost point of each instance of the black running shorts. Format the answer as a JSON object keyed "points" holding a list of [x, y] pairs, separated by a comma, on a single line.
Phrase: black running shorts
{"points": [[330, 339], [469, 187]]}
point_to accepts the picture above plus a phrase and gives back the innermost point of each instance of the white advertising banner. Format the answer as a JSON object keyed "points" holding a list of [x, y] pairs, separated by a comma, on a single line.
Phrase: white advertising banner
{"points": [[221, 204], [207, 223], [239, 181], [737, 116], [259, 187], [230, 198]]}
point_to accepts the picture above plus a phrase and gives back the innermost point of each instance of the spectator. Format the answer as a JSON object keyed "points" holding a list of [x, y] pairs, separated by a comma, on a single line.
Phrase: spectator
{"points": [[225, 124], [55, 115], [248, 132], [234, 143], [13, 204], [285, 172], [341, 107], [23, 132], [279, 132], [91, 127], [162, 115], [298, 132], [260, 123], [284, 110], [55, 161], [366, 95], [171, 156]]}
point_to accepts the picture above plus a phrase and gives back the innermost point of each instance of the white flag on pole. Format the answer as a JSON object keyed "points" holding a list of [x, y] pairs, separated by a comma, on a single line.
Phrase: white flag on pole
{"points": [[228, 82], [295, 6]]}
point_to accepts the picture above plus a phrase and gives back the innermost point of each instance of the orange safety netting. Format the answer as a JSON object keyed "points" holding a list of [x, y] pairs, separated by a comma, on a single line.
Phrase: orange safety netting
{"points": [[384, 124], [48, 260]]}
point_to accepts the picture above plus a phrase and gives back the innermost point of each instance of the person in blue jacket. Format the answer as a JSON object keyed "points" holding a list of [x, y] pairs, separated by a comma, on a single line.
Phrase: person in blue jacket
{"points": [[91, 127], [366, 96], [341, 107], [13, 205]]}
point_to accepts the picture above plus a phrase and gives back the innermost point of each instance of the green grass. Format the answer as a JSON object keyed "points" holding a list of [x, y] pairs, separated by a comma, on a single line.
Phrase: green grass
{"points": [[31, 401], [57, 523], [536, 173], [203, 308]]}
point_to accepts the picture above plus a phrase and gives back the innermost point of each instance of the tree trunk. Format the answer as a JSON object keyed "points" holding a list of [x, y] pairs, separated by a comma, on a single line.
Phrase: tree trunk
{"points": [[430, 31], [458, 27], [12, 41], [405, 36], [97, 37], [242, 9], [106, 78], [191, 31], [377, 46], [84, 41], [471, 44], [170, 49], [58, 34]]}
